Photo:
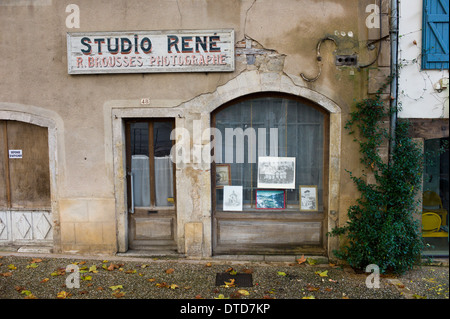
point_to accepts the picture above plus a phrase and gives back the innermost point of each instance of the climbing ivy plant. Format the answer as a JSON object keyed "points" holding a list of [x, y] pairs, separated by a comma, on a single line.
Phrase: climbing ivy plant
{"points": [[381, 229]]}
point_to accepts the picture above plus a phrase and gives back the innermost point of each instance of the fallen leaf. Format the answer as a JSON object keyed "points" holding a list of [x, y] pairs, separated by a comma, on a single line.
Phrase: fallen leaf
{"points": [[311, 261], [33, 265], [35, 260], [112, 267], [144, 266], [322, 273], [332, 280], [247, 271], [151, 279], [12, 267], [45, 280], [268, 297], [93, 269], [161, 285], [243, 292], [208, 265], [173, 286], [281, 273], [229, 269], [19, 288], [198, 297], [170, 270], [301, 260], [312, 288], [415, 296], [6, 274], [63, 295], [309, 297], [229, 284], [86, 278], [116, 287], [118, 294], [131, 271], [221, 296]]}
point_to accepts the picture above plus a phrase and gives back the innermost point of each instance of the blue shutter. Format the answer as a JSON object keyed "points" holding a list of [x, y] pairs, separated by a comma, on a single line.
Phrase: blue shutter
{"points": [[435, 34]]}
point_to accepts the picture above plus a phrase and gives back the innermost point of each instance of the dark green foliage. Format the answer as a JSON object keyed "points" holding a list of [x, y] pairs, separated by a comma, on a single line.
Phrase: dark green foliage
{"points": [[381, 229]]}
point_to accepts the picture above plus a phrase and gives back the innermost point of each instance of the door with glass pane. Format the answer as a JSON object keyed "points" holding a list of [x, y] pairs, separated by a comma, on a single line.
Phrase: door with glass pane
{"points": [[150, 185]]}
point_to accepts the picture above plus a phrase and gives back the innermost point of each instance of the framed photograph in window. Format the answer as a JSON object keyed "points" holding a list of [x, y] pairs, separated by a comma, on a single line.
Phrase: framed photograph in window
{"points": [[223, 175], [270, 199], [232, 198], [276, 172], [308, 198]]}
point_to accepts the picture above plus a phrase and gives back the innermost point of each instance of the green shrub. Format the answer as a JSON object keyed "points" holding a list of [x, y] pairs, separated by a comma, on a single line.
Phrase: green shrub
{"points": [[380, 227]]}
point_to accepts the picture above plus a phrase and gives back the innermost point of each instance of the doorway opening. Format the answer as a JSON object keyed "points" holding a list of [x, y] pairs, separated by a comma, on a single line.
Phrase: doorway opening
{"points": [[151, 192]]}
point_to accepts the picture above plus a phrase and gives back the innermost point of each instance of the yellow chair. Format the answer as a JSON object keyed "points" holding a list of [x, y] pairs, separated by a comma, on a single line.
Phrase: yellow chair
{"points": [[432, 203], [431, 225]]}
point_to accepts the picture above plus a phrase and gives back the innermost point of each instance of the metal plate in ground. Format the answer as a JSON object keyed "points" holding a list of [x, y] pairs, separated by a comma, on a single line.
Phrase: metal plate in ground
{"points": [[240, 280]]}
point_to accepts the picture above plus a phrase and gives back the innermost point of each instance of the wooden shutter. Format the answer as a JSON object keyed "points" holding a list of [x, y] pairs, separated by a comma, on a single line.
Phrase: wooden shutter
{"points": [[435, 34]]}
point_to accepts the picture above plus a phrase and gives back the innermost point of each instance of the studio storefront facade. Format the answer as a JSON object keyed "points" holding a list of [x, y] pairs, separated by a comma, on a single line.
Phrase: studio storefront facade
{"points": [[220, 133], [196, 223]]}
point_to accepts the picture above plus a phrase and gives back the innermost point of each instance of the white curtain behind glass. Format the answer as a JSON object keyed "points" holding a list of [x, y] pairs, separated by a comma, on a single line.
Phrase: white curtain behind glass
{"points": [[141, 180]]}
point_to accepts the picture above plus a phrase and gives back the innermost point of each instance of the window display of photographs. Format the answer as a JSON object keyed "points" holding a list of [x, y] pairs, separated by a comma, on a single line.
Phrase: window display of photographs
{"points": [[276, 172], [270, 199]]}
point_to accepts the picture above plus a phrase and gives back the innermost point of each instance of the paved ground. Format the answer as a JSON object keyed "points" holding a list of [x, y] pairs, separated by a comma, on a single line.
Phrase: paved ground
{"points": [[45, 277]]}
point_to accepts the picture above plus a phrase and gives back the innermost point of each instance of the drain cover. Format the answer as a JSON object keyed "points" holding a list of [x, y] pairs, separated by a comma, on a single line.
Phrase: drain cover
{"points": [[240, 280]]}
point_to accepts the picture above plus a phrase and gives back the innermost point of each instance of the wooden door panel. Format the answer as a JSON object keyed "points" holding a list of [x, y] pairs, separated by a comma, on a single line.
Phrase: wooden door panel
{"points": [[29, 175]]}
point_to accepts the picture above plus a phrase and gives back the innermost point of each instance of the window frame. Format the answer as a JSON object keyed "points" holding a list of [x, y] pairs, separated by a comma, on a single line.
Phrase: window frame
{"points": [[150, 122]]}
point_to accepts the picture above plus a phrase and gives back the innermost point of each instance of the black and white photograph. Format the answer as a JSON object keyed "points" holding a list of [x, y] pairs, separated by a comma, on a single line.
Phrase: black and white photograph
{"points": [[308, 198], [276, 172], [232, 198], [223, 175]]}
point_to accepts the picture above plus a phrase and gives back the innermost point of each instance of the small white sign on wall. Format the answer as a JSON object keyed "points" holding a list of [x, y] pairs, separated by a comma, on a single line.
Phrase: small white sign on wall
{"points": [[15, 153]]}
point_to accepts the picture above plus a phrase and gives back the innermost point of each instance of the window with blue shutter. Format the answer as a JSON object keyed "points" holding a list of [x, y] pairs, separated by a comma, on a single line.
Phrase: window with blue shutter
{"points": [[435, 34]]}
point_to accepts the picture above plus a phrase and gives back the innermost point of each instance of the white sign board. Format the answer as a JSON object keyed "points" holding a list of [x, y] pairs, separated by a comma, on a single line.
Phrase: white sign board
{"points": [[15, 153], [150, 51]]}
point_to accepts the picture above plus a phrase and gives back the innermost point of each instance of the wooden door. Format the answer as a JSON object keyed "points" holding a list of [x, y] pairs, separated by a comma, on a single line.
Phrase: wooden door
{"points": [[150, 185], [25, 208]]}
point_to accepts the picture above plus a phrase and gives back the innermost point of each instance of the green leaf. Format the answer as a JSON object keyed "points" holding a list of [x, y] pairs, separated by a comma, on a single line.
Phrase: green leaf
{"points": [[281, 273]]}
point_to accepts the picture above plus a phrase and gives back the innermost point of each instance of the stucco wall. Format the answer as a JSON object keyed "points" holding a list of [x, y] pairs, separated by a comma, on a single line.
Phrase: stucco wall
{"points": [[89, 202]]}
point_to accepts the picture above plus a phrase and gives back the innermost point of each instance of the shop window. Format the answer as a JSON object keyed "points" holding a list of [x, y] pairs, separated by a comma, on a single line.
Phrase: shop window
{"points": [[272, 149], [435, 200]]}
